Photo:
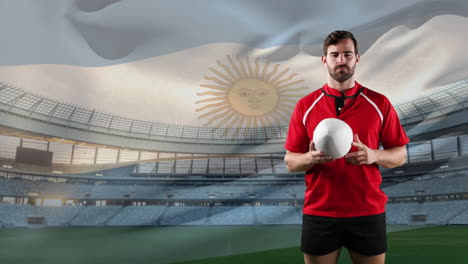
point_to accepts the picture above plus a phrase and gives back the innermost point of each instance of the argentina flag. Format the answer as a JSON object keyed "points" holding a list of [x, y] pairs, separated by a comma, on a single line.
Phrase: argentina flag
{"points": [[141, 58], [172, 115]]}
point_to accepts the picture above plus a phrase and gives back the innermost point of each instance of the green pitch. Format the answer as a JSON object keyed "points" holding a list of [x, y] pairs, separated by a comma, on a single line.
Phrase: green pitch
{"points": [[431, 245], [211, 244]]}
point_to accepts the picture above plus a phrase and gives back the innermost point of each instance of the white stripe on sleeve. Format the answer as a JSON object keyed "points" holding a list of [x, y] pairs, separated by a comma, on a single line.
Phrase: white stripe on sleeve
{"points": [[310, 108], [374, 105]]}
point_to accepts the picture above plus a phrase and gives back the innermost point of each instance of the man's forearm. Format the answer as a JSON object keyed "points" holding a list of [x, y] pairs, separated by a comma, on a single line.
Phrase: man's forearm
{"points": [[392, 157], [297, 162]]}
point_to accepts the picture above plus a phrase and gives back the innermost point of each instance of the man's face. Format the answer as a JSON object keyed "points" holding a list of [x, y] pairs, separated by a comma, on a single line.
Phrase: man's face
{"points": [[341, 60]]}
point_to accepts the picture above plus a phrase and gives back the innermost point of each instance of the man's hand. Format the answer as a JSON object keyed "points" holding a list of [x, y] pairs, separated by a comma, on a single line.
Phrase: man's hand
{"points": [[315, 156], [364, 155], [301, 162]]}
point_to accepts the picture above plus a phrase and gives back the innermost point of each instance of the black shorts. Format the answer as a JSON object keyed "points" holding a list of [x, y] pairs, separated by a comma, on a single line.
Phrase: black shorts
{"points": [[365, 235]]}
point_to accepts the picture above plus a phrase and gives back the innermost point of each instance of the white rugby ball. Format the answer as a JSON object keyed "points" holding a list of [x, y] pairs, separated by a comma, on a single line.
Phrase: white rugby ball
{"points": [[333, 137]]}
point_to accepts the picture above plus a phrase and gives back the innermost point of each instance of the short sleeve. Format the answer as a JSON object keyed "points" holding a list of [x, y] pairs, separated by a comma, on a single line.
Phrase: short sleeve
{"points": [[392, 134], [297, 139]]}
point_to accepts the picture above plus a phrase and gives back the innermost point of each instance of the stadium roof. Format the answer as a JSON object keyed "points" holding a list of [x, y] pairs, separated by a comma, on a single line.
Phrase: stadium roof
{"points": [[26, 111]]}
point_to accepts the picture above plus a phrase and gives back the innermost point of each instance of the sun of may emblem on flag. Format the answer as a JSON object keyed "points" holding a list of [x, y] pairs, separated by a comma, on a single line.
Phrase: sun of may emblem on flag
{"points": [[241, 94]]}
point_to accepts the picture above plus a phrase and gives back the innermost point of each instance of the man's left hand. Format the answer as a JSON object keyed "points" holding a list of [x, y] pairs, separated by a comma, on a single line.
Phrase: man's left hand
{"points": [[364, 154]]}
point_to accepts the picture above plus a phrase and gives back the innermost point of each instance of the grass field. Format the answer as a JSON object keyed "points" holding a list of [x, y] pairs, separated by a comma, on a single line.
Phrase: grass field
{"points": [[432, 245], [211, 244]]}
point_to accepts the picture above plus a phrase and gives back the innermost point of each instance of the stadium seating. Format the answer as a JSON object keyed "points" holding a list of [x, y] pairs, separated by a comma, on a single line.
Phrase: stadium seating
{"points": [[137, 215], [433, 213], [14, 215], [186, 215], [278, 215], [94, 215], [461, 218], [431, 185], [231, 215], [436, 213]]}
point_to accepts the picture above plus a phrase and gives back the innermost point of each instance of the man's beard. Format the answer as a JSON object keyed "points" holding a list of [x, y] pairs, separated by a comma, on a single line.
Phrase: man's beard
{"points": [[341, 76]]}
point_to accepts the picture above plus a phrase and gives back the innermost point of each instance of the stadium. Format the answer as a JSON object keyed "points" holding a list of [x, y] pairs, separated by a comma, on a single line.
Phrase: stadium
{"points": [[154, 131], [64, 167]]}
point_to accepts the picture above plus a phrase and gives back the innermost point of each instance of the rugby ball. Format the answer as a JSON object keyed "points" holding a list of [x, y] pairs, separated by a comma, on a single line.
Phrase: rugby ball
{"points": [[333, 137]]}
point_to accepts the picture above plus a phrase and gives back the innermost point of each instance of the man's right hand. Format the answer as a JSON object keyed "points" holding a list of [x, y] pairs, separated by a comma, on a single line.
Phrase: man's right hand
{"points": [[315, 156], [301, 162]]}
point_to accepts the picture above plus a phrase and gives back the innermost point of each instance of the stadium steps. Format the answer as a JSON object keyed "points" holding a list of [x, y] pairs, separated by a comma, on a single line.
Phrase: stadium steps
{"points": [[209, 215], [207, 218], [122, 217], [254, 212], [298, 211], [112, 216], [75, 216], [161, 217], [457, 214]]}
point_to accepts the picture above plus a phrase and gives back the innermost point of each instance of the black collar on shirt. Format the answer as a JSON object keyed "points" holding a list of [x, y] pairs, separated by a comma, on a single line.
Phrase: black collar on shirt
{"points": [[340, 100]]}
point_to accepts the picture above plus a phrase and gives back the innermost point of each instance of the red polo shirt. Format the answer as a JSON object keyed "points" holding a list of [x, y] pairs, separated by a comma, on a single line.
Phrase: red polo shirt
{"points": [[338, 188]]}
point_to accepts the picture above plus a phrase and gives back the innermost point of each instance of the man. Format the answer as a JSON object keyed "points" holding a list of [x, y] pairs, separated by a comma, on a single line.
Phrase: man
{"points": [[343, 203]]}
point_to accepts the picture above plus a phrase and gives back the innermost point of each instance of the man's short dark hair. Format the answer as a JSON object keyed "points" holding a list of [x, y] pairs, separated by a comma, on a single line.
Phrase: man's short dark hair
{"points": [[337, 36]]}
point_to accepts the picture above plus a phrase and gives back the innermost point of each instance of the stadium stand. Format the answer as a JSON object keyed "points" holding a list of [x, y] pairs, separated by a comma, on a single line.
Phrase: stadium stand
{"points": [[94, 215], [434, 213], [137, 216], [206, 189], [278, 215], [186, 215], [55, 216], [429, 186], [231, 215], [14, 215], [448, 99], [461, 218]]}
